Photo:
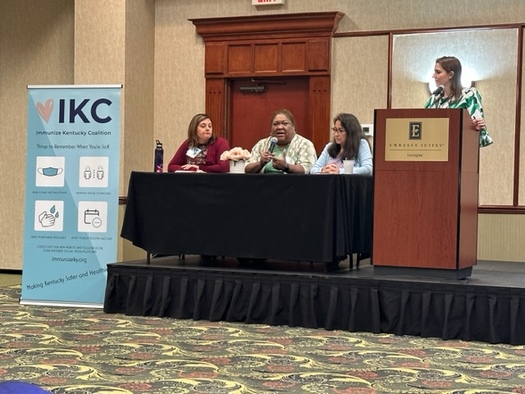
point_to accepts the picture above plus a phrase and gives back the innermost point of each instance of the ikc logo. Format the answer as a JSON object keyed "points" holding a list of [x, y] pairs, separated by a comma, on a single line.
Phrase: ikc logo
{"points": [[68, 110]]}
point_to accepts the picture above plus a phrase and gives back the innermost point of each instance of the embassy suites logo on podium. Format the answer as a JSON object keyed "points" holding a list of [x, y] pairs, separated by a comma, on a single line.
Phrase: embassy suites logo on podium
{"points": [[405, 140]]}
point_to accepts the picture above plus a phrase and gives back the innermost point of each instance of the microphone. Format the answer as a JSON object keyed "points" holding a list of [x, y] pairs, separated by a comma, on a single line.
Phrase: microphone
{"points": [[273, 142], [439, 91]]}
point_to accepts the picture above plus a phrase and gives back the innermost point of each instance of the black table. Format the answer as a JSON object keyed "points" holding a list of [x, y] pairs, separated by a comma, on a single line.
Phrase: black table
{"points": [[316, 218]]}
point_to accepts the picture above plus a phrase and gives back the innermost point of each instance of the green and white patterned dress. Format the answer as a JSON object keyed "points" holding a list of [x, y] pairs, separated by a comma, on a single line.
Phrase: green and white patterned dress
{"points": [[470, 100]]}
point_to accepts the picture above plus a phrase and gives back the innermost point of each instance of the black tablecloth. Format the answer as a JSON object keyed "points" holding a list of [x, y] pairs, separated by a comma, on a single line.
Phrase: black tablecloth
{"points": [[317, 218]]}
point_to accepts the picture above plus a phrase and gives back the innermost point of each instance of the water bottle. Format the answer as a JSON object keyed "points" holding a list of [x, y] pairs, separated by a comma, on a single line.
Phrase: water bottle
{"points": [[159, 157]]}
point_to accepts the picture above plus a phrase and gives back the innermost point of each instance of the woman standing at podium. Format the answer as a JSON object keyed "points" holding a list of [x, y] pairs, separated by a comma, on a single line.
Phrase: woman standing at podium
{"points": [[451, 94], [202, 149]]}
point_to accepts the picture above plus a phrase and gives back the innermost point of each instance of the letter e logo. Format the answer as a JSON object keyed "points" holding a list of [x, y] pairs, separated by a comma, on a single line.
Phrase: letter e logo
{"points": [[414, 132]]}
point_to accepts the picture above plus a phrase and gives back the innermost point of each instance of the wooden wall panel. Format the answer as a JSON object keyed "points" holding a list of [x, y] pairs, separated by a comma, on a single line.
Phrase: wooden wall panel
{"points": [[293, 57], [240, 59], [215, 59], [266, 57], [318, 55]]}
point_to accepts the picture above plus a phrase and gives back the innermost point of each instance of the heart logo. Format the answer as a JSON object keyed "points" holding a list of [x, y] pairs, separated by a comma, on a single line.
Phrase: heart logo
{"points": [[45, 110]]}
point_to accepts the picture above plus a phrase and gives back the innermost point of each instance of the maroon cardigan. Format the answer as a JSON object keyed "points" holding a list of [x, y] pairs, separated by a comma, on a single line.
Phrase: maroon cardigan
{"points": [[213, 153]]}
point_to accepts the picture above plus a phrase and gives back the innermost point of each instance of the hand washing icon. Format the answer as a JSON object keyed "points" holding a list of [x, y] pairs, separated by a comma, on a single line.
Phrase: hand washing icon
{"points": [[50, 171], [47, 219]]}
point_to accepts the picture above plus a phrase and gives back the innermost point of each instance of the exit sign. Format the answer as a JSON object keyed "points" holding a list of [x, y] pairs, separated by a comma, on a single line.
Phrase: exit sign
{"points": [[267, 2]]}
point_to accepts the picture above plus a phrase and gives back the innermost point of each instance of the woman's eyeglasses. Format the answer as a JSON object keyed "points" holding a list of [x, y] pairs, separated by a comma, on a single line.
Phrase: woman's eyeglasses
{"points": [[338, 130]]}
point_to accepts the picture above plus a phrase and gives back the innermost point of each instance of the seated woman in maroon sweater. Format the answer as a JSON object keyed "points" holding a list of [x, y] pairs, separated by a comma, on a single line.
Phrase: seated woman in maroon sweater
{"points": [[202, 150]]}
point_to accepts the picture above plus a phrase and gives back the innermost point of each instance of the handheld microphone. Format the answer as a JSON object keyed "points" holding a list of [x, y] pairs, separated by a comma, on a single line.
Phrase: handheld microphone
{"points": [[273, 142], [439, 91]]}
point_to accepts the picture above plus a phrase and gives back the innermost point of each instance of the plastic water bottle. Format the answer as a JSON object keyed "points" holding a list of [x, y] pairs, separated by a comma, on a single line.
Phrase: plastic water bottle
{"points": [[159, 157]]}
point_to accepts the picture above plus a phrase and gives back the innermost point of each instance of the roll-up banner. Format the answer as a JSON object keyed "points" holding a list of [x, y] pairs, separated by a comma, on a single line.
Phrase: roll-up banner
{"points": [[71, 199]]}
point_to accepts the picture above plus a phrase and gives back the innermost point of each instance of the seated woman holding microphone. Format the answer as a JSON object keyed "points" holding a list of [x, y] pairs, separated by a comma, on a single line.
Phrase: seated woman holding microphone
{"points": [[284, 151], [349, 143]]}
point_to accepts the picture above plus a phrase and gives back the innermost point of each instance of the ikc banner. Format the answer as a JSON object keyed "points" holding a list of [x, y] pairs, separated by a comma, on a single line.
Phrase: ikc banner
{"points": [[71, 200]]}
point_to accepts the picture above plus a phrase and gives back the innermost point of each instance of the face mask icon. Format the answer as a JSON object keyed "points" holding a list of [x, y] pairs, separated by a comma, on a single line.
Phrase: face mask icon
{"points": [[50, 171]]}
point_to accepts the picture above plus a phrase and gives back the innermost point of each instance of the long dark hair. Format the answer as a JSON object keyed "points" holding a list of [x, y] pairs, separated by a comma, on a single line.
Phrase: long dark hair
{"points": [[192, 129], [450, 63], [354, 135]]}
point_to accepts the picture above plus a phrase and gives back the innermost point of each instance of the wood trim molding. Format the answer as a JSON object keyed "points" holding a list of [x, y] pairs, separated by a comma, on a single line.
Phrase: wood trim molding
{"points": [[268, 26]]}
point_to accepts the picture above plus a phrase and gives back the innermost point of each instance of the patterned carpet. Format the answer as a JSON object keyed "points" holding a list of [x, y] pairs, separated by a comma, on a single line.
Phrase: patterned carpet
{"points": [[66, 350]]}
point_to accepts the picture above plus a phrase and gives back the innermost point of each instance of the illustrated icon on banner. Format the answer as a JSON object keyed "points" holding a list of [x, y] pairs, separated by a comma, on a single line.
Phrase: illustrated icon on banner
{"points": [[93, 171], [92, 216], [48, 216], [47, 219], [50, 171]]}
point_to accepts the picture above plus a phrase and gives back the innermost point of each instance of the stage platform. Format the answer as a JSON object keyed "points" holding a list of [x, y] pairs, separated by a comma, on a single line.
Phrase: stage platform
{"points": [[488, 306]]}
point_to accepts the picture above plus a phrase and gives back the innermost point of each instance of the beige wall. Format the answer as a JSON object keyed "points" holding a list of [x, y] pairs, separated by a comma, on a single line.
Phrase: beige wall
{"points": [[500, 237], [359, 76], [36, 47], [152, 49]]}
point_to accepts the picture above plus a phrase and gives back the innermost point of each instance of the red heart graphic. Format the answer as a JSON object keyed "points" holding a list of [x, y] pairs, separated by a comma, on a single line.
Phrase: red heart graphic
{"points": [[45, 109]]}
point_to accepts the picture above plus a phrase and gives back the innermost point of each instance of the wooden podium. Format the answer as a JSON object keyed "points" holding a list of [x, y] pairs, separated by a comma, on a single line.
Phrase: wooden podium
{"points": [[425, 193]]}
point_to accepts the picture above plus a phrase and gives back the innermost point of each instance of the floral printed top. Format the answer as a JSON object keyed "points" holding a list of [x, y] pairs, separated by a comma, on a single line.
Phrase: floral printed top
{"points": [[470, 100], [300, 151]]}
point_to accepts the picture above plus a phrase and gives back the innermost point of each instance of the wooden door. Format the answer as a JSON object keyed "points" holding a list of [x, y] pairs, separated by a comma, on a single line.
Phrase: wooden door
{"points": [[251, 111]]}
